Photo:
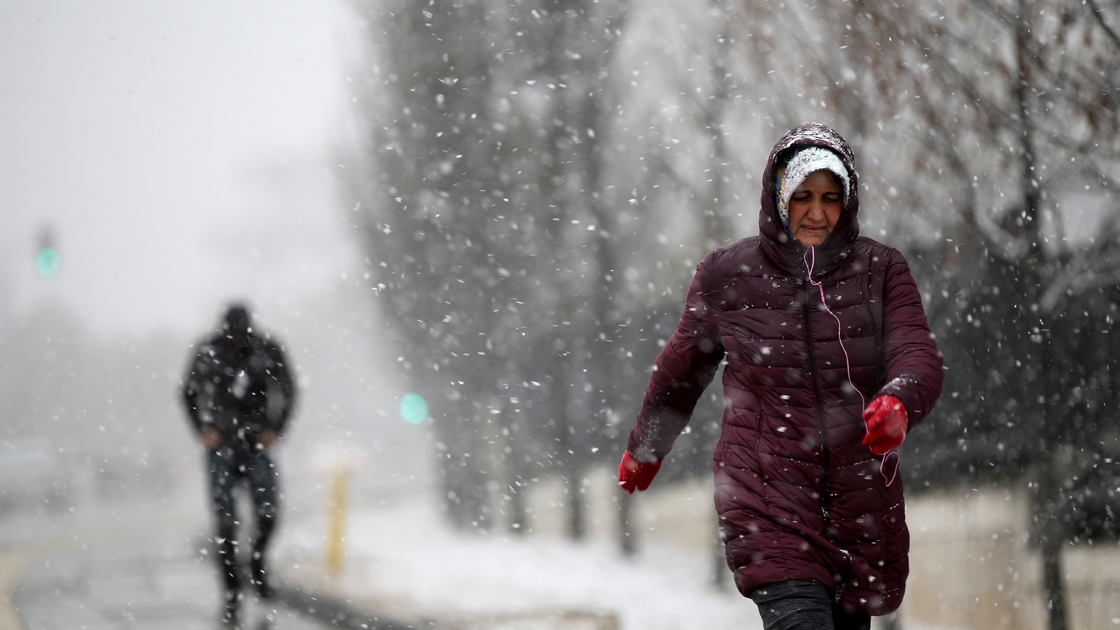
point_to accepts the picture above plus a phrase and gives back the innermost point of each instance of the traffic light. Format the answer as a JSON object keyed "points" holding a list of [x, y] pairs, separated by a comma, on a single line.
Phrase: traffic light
{"points": [[47, 261]]}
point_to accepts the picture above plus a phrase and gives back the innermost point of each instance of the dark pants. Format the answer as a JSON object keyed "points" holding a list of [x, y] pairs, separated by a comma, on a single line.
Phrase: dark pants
{"points": [[228, 468], [804, 605]]}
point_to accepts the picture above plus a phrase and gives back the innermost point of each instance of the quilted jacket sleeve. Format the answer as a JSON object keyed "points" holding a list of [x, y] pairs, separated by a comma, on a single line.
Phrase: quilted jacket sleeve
{"points": [[683, 369], [913, 362]]}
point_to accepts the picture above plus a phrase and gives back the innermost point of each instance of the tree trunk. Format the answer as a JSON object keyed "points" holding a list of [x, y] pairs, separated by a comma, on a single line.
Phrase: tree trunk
{"points": [[1045, 510], [719, 558], [513, 494], [626, 526]]}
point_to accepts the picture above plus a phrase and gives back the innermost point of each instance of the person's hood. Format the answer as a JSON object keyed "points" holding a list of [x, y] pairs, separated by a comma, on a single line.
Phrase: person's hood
{"points": [[777, 243]]}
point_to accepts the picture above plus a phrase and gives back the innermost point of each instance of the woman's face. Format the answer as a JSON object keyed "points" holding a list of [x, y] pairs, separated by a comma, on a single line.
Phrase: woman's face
{"points": [[814, 208]]}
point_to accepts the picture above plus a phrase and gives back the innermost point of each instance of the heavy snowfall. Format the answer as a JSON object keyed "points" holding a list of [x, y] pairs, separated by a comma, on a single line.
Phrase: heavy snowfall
{"points": [[472, 224]]}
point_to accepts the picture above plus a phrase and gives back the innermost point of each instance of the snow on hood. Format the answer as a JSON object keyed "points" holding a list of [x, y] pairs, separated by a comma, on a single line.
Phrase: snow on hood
{"points": [[804, 163]]}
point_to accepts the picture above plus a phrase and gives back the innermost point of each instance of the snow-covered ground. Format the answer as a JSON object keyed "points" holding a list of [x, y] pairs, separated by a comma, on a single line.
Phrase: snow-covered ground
{"points": [[402, 560]]}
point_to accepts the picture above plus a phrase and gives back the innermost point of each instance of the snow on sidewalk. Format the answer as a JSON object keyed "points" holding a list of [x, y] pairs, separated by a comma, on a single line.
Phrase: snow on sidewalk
{"points": [[404, 561]]}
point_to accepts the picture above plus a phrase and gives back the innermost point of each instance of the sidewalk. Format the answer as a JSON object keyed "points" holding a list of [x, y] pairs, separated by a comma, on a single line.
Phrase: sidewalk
{"points": [[405, 564]]}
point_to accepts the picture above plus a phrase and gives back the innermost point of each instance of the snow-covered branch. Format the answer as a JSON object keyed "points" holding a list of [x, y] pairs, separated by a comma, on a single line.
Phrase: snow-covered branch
{"points": [[1099, 15], [1008, 246], [1095, 268]]}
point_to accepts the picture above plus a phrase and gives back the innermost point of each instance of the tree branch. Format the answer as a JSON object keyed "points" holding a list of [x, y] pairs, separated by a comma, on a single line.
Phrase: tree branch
{"points": [[1097, 13], [1009, 246], [1084, 273]]}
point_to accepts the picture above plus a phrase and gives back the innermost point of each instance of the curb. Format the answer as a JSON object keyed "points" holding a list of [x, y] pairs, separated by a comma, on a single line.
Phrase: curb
{"points": [[342, 613], [338, 612]]}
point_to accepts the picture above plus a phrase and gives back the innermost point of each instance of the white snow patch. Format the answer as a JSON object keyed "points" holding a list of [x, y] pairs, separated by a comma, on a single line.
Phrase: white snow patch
{"points": [[405, 561]]}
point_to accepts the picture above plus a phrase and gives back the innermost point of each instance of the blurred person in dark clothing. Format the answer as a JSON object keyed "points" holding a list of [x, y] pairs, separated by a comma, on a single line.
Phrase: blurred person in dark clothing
{"points": [[239, 393]]}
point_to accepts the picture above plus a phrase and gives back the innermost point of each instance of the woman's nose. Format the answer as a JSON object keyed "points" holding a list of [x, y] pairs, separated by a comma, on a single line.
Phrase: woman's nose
{"points": [[816, 208]]}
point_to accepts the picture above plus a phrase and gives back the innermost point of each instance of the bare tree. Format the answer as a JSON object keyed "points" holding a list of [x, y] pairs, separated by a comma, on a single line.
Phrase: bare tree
{"points": [[424, 182], [1001, 111], [1047, 102], [478, 181]]}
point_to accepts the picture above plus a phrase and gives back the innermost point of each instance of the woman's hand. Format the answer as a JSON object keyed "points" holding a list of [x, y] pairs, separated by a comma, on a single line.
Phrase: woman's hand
{"points": [[886, 420], [636, 475]]}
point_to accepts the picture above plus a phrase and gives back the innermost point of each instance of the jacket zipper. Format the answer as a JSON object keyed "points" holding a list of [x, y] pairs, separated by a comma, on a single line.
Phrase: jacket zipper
{"points": [[817, 399]]}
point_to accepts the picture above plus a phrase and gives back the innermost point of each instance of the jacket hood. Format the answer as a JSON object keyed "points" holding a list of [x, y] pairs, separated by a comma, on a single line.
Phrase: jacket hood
{"points": [[777, 244]]}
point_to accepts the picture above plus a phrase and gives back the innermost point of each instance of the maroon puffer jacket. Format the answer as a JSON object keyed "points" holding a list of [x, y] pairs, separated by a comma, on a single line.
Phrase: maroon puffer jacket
{"points": [[798, 495]]}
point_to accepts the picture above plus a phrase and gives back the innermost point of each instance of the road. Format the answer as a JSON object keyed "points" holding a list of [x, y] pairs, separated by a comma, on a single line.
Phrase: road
{"points": [[126, 568]]}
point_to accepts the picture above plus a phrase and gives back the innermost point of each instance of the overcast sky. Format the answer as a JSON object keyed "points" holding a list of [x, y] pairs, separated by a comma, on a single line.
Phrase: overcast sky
{"points": [[180, 152]]}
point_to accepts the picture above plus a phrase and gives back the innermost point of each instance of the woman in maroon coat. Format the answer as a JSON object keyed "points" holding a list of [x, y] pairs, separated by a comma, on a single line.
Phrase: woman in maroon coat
{"points": [[830, 362]]}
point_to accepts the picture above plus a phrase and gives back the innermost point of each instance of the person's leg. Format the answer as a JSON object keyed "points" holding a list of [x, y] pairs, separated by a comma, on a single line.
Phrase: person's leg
{"points": [[844, 619], [263, 481], [223, 477], [794, 605]]}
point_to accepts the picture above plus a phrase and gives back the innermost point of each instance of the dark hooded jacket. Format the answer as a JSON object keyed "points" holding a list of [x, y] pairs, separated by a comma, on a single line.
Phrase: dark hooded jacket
{"points": [[798, 495], [239, 383]]}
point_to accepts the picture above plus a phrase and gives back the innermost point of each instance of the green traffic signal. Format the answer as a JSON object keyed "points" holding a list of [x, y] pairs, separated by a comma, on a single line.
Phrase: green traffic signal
{"points": [[414, 409], [47, 261]]}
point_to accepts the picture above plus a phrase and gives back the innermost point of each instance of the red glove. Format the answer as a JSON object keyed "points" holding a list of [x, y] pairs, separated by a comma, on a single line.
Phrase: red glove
{"points": [[636, 475], [886, 424]]}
